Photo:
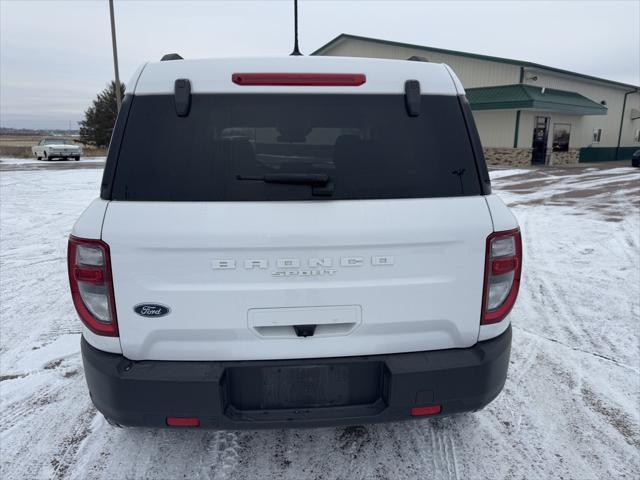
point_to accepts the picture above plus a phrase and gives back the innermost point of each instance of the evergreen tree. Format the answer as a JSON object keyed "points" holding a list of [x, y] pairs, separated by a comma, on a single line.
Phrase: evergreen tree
{"points": [[100, 117]]}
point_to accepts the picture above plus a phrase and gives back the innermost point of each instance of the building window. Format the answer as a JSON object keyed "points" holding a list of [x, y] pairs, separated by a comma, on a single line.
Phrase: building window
{"points": [[597, 135], [637, 136], [561, 134]]}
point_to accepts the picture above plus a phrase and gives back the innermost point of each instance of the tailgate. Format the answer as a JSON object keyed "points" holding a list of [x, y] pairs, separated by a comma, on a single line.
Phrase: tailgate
{"points": [[279, 280]]}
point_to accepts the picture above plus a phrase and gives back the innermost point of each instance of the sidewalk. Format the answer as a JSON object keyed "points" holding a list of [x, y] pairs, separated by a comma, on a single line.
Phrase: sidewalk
{"points": [[600, 165]]}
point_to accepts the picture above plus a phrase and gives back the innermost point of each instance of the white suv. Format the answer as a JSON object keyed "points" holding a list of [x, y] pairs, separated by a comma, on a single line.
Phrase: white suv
{"points": [[296, 241]]}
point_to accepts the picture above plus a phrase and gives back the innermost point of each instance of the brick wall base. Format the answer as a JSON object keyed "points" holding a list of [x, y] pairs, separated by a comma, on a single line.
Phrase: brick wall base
{"points": [[512, 157], [569, 157]]}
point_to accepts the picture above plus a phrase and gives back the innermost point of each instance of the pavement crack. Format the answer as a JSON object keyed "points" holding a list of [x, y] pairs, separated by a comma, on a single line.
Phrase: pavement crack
{"points": [[575, 349]]}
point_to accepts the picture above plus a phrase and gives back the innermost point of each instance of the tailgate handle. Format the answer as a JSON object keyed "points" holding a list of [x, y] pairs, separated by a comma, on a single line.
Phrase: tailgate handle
{"points": [[301, 322], [305, 330]]}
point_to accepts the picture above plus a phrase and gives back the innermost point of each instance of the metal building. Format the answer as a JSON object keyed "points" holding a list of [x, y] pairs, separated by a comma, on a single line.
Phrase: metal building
{"points": [[527, 113]]}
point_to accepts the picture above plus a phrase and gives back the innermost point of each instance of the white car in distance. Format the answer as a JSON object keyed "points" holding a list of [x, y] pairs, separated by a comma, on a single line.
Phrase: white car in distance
{"points": [[50, 148]]}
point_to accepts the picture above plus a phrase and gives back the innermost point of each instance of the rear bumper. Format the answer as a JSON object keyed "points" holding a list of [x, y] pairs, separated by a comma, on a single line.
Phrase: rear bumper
{"points": [[296, 393]]}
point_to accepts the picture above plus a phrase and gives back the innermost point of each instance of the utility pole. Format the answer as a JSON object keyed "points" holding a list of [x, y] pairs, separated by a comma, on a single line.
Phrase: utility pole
{"points": [[115, 56]]}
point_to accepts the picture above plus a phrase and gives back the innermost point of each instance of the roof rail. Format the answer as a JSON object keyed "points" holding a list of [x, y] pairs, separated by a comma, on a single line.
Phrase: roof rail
{"points": [[171, 56], [417, 58]]}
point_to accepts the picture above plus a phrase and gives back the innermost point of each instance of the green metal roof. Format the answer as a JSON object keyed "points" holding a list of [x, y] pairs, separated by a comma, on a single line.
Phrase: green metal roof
{"points": [[522, 97], [489, 58]]}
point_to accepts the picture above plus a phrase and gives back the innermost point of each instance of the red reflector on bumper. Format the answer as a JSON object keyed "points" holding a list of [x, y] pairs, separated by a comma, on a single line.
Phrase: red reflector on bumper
{"points": [[421, 411], [183, 421], [300, 79]]}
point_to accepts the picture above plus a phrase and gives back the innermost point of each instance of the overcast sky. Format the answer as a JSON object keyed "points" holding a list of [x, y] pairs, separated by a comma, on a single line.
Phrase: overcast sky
{"points": [[56, 55]]}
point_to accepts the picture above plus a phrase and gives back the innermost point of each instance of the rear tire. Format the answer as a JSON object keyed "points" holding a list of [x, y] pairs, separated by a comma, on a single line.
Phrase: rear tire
{"points": [[112, 423], [76, 158]]}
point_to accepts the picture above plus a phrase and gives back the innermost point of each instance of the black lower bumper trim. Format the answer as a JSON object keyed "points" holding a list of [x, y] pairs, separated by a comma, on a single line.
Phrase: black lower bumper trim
{"points": [[296, 393]]}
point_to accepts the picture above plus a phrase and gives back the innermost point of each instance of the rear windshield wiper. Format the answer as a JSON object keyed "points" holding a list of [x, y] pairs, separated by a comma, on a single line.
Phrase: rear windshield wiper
{"points": [[291, 178], [320, 182]]}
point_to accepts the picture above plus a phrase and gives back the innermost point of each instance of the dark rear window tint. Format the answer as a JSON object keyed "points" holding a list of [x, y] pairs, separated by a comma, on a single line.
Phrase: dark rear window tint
{"points": [[367, 145]]}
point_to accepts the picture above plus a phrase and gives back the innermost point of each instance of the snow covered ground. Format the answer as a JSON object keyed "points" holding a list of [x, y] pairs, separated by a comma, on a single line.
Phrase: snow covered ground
{"points": [[33, 161], [570, 408]]}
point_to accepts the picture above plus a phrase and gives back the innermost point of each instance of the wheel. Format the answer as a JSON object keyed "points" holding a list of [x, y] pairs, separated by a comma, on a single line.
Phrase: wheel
{"points": [[76, 158], [38, 157]]}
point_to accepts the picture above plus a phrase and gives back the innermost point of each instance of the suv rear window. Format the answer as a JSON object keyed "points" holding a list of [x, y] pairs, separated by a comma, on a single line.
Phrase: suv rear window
{"points": [[366, 144]]}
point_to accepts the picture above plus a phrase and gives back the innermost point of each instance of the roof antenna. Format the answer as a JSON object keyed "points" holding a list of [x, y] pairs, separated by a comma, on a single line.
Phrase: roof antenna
{"points": [[296, 50]]}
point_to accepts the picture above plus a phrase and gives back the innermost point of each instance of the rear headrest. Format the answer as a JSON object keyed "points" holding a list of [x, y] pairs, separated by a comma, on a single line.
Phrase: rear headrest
{"points": [[344, 151], [346, 140], [242, 145]]}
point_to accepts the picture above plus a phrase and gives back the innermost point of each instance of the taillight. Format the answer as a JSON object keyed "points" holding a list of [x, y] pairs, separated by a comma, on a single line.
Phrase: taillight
{"points": [[89, 266], [300, 79], [502, 275]]}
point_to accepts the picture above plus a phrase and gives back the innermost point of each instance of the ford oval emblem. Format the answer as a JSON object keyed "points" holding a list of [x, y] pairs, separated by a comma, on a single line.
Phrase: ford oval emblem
{"points": [[151, 310]]}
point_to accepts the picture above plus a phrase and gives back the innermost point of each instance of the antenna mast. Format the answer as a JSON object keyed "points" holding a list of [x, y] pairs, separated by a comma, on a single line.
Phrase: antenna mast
{"points": [[296, 50]]}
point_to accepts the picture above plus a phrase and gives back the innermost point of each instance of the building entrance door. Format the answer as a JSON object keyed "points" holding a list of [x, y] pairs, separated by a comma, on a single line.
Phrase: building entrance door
{"points": [[539, 144]]}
